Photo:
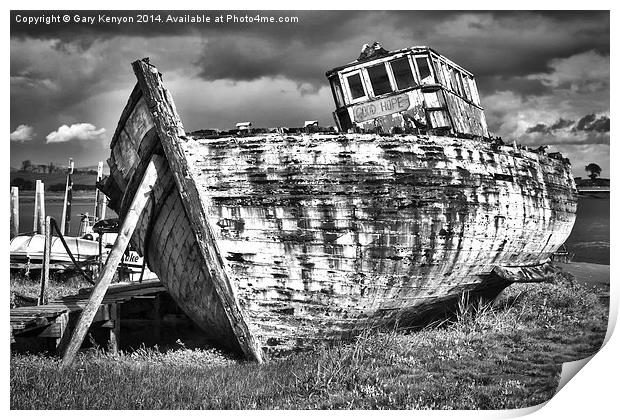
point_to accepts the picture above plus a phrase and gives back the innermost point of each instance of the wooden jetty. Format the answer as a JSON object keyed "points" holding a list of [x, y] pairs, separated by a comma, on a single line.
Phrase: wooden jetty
{"points": [[56, 319]]}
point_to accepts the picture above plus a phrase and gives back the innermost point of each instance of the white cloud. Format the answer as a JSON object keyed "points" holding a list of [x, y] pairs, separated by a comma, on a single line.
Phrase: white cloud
{"points": [[79, 132], [23, 133]]}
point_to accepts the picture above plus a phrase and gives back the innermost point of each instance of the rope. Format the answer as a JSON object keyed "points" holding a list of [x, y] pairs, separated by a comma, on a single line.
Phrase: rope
{"points": [[62, 239]]}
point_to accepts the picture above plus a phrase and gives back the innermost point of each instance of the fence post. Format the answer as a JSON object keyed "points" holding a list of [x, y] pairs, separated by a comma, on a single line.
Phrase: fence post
{"points": [[45, 266], [35, 217], [39, 207], [98, 195], [14, 212], [65, 222]]}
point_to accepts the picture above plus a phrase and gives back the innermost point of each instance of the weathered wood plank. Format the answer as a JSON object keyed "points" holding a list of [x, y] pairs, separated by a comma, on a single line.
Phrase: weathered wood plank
{"points": [[129, 223]]}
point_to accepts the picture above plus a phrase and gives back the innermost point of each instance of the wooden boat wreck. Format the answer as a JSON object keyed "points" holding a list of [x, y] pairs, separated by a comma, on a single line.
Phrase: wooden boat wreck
{"points": [[277, 240]]}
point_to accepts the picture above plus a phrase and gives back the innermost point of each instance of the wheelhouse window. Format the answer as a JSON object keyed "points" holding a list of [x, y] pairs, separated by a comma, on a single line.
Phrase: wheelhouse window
{"points": [[426, 76], [402, 73], [356, 88], [446, 76], [455, 84], [379, 79], [474, 91], [438, 72], [459, 82], [337, 92], [466, 87]]}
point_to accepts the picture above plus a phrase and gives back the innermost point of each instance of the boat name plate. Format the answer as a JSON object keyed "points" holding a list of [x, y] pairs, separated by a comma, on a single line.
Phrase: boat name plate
{"points": [[385, 106]]}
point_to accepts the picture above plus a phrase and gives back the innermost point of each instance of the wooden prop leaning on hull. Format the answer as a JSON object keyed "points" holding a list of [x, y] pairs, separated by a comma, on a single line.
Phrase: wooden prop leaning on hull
{"points": [[138, 203]]}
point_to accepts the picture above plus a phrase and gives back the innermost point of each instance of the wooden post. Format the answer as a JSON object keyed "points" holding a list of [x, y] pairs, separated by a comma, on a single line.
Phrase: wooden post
{"points": [[139, 202], [63, 334], [39, 207], [84, 225], [156, 315], [35, 219], [45, 266], [65, 222], [103, 204], [100, 260], [14, 212], [98, 195], [116, 328]]}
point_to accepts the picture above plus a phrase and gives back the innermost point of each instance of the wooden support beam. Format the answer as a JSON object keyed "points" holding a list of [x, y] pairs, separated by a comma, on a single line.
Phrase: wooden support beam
{"points": [[139, 202], [45, 270], [171, 133], [14, 212], [63, 336], [116, 328]]}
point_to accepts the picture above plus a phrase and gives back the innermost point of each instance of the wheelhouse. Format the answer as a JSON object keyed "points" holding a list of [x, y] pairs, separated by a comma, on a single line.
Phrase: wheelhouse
{"points": [[412, 90]]}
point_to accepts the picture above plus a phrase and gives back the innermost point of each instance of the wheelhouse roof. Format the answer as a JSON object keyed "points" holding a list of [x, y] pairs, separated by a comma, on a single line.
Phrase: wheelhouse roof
{"points": [[418, 49]]}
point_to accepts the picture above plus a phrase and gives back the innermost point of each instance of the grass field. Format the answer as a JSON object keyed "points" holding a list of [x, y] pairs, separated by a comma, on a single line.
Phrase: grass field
{"points": [[506, 355]]}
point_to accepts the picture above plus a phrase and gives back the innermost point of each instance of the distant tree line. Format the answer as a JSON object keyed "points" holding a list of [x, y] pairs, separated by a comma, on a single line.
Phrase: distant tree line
{"points": [[51, 168], [28, 185]]}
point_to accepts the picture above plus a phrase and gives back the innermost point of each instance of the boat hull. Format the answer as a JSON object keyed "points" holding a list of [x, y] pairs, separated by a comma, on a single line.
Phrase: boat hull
{"points": [[324, 236], [317, 237]]}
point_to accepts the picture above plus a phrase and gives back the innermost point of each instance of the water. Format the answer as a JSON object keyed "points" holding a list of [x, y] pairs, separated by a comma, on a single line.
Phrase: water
{"points": [[81, 203], [589, 239]]}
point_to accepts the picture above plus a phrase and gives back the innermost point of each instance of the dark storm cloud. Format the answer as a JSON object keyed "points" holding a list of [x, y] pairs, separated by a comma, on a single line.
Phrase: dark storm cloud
{"points": [[588, 130], [591, 123], [561, 123], [527, 65], [470, 39], [499, 47], [521, 85], [548, 129], [538, 128]]}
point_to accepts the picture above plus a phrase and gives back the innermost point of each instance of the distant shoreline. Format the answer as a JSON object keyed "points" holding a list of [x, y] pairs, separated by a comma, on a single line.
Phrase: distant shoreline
{"points": [[58, 195], [588, 273]]}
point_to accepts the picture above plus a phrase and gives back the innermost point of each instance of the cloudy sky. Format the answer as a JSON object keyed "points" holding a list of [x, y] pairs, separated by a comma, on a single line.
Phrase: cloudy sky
{"points": [[543, 76]]}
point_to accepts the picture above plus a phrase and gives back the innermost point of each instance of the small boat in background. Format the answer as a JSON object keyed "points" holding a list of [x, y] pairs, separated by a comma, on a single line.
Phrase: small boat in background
{"points": [[26, 252]]}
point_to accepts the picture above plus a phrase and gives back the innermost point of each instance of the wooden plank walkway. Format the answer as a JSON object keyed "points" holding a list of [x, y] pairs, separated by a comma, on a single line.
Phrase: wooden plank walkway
{"points": [[51, 320]]}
